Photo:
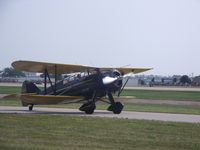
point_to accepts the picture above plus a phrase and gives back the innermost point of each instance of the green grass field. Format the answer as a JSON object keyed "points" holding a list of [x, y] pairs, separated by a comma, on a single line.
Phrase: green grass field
{"points": [[163, 95], [9, 89], [57, 132]]}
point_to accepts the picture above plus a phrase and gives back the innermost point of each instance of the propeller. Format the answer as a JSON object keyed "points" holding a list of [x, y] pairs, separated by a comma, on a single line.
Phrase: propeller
{"points": [[108, 80]]}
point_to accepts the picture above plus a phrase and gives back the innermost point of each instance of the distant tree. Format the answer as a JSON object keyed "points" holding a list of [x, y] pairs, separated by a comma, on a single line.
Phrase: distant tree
{"points": [[162, 80], [185, 79], [11, 72], [153, 80], [174, 80]]}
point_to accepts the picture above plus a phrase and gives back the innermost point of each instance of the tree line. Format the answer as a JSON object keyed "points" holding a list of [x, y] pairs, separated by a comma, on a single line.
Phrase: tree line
{"points": [[11, 72]]}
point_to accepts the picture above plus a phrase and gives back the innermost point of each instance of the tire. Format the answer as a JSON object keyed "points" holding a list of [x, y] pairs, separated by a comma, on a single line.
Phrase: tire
{"points": [[118, 108], [88, 108], [89, 111]]}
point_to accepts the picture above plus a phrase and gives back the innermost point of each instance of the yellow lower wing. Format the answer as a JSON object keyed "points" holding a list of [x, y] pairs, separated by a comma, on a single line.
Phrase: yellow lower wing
{"points": [[32, 98]]}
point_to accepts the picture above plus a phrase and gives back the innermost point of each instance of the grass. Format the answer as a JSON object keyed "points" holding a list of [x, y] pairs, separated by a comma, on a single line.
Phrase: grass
{"points": [[14, 102], [9, 89], [163, 95], [57, 132], [164, 108]]}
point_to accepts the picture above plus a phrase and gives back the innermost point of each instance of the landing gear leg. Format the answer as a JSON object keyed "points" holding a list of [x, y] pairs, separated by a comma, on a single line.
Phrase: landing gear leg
{"points": [[89, 107], [30, 107], [115, 107]]}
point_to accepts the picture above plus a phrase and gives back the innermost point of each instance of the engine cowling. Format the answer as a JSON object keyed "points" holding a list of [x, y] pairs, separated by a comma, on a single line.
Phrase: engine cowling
{"points": [[113, 79]]}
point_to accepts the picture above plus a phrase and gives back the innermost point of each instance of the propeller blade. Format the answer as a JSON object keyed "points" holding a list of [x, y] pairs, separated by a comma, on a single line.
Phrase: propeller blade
{"points": [[128, 75], [108, 80]]}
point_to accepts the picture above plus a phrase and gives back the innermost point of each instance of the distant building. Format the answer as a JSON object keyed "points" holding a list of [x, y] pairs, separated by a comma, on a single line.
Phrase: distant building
{"points": [[30, 74], [196, 81], [132, 82]]}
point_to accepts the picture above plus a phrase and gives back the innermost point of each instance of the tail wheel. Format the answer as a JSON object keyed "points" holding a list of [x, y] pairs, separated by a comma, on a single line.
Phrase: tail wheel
{"points": [[30, 107]]}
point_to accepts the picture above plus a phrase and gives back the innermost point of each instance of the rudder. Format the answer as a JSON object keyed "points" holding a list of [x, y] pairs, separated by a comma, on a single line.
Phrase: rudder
{"points": [[29, 87]]}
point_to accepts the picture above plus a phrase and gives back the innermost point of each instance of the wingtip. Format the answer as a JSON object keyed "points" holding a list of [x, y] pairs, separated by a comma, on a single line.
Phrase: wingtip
{"points": [[11, 96]]}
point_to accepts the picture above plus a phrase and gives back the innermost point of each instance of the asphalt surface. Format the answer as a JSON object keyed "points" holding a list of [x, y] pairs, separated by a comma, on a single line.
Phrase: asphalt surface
{"points": [[103, 113]]}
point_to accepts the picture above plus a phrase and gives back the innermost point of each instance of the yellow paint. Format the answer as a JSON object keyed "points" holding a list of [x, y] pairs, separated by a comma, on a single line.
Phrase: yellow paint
{"points": [[33, 66], [33, 98]]}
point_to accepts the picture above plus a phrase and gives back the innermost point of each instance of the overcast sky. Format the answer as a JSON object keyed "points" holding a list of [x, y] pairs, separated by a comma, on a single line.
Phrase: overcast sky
{"points": [[163, 34]]}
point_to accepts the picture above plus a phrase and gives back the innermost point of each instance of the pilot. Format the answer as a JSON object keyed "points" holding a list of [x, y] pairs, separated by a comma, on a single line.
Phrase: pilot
{"points": [[78, 76]]}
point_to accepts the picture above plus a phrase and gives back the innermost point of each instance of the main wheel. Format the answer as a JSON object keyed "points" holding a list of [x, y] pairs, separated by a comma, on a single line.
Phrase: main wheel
{"points": [[89, 111], [118, 108], [88, 108]]}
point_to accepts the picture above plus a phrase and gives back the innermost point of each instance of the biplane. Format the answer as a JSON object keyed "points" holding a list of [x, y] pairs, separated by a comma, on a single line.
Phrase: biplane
{"points": [[82, 84]]}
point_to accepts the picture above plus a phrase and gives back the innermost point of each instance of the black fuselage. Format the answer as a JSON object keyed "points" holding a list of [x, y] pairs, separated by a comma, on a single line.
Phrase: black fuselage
{"points": [[86, 85]]}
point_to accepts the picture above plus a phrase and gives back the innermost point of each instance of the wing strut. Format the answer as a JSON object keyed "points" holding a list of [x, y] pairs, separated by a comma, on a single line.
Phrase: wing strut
{"points": [[120, 91], [46, 75], [55, 88], [45, 81]]}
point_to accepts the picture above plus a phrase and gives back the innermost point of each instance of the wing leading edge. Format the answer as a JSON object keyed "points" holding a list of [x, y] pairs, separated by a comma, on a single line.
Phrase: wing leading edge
{"points": [[33, 66]]}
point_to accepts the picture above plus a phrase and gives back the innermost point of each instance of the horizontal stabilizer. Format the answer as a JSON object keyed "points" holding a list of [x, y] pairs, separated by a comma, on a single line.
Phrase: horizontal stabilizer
{"points": [[47, 99], [11, 96], [32, 98]]}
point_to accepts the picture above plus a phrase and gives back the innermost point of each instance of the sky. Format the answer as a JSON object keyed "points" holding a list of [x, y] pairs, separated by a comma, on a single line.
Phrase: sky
{"points": [[160, 34]]}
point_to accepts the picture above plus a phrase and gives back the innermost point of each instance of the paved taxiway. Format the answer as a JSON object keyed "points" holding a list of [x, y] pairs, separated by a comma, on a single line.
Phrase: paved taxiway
{"points": [[103, 113]]}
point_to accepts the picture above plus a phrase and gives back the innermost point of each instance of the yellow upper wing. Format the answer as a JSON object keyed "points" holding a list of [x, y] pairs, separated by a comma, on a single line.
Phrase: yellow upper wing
{"points": [[33, 66], [128, 69]]}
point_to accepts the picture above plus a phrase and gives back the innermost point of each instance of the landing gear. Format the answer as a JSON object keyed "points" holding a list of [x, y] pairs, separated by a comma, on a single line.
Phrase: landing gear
{"points": [[88, 108], [115, 107], [30, 107]]}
